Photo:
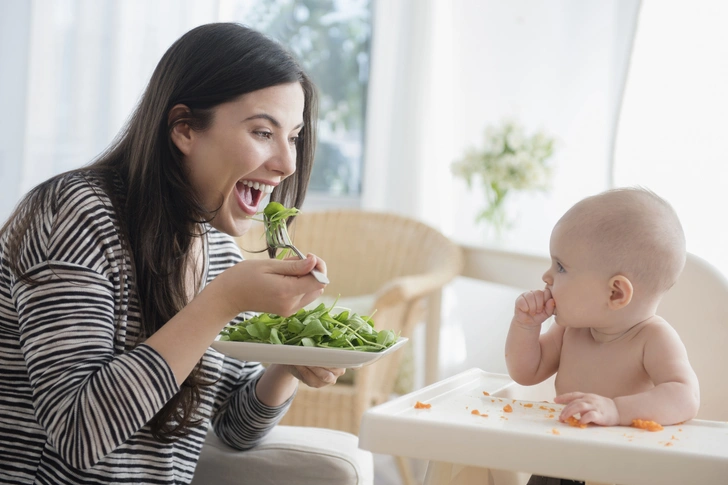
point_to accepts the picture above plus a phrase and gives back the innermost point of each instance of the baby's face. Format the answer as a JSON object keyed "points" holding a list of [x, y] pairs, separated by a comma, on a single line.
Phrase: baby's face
{"points": [[578, 284]]}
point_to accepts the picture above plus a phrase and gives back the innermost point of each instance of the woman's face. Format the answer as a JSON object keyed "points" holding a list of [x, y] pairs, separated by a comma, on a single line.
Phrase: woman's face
{"points": [[249, 148]]}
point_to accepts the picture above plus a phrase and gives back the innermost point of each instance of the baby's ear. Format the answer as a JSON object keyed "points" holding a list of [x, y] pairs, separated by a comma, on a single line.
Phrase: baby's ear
{"points": [[621, 292]]}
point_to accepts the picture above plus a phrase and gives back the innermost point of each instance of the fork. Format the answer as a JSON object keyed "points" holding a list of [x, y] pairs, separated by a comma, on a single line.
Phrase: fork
{"points": [[279, 239]]}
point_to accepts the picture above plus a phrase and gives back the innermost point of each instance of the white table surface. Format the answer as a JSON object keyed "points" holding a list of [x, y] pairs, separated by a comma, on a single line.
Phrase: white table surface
{"points": [[532, 439]]}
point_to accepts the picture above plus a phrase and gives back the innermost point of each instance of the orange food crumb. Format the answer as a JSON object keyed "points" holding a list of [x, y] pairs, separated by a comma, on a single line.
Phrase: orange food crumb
{"points": [[492, 400], [669, 443], [544, 408], [645, 424], [514, 400], [550, 416], [483, 415], [476, 412], [555, 431], [421, 405], [572, 421], [529, 405], [552, 410], [507, 408], [673, 437], [486, 393]]}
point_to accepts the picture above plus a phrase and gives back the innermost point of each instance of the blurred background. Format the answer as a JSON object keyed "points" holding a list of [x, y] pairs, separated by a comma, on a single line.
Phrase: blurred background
{"points": [[630, 93]]}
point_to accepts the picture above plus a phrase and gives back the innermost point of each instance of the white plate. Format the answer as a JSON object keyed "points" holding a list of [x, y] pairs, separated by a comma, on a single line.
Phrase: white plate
{"points": [[299, 355]]}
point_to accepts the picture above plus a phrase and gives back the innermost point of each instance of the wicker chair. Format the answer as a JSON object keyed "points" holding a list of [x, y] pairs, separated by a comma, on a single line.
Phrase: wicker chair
{"points": [[396, 260]]}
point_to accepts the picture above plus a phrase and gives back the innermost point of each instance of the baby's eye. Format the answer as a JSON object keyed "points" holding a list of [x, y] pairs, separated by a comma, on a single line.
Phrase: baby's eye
{"points": [[560, 268]]}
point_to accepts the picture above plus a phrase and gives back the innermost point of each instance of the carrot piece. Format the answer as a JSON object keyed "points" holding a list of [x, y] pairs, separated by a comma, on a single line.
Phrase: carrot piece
{"points": [[646, 424], [507, 408], [572, 421], [421, 405]]}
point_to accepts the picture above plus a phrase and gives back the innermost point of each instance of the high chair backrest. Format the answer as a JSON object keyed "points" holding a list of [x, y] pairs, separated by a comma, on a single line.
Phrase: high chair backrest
{"points": [[696, 308]]}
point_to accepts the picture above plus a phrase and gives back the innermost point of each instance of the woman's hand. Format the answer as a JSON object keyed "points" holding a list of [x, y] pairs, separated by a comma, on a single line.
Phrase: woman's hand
{"points": [[316, 376], [279, 381], [271, 286]]}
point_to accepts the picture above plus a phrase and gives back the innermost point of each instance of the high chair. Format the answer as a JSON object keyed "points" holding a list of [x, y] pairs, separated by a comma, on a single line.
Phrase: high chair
{"points": [[694, 307]]}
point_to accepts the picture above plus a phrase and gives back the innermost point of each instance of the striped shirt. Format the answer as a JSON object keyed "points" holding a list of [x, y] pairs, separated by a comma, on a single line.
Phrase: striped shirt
{"points": [[76, 389]]}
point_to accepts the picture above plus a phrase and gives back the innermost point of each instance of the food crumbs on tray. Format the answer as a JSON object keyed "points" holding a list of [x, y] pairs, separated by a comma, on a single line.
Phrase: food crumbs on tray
{"points": [[528, 405], [669, 443], [555, 431], [572, 421], [646, 424], [485, 393], [550, 416], [503, 417], [680, 429], [507, 408], [552, 410], [421, 405], [544, 408], [492, 400], [483, 415], [475, 411], [673, 438]]}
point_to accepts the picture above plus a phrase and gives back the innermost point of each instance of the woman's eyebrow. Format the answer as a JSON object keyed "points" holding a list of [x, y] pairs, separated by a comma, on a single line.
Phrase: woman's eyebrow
{"points": [[268, 117]]}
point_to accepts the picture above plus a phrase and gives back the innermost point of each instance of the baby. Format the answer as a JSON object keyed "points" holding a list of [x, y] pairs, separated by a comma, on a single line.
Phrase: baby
{"points": [[613, 257]]}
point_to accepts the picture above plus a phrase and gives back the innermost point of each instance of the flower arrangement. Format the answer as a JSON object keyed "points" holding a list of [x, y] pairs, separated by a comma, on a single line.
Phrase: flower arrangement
{"points": [[509, 161]]}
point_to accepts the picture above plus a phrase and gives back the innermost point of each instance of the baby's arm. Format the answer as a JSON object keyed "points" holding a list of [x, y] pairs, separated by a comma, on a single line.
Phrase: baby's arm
{"points": [[676, 395], [674, 399], [531, 357]]}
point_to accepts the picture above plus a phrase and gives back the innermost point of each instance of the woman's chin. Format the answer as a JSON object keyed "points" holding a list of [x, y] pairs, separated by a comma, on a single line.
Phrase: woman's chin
{"points": [[234, 227]]}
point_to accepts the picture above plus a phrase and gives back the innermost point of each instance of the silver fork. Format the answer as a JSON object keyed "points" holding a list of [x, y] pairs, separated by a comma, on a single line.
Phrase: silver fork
{"points": [[280, 239]]}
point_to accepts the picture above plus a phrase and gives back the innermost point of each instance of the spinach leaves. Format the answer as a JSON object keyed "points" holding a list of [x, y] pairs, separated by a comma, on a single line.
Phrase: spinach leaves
{"points": [[312, 328]]}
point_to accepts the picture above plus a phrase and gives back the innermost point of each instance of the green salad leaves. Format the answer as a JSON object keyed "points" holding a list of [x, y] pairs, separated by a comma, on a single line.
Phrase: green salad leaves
{"points": [[312, 328]]}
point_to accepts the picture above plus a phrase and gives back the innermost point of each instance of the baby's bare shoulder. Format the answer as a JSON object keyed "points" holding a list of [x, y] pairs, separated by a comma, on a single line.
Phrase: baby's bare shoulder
{"points": [[657, 327]]}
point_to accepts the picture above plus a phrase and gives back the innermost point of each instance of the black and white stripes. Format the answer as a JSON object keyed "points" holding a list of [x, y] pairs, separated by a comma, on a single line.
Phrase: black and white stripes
{"points": [[75, 388]]}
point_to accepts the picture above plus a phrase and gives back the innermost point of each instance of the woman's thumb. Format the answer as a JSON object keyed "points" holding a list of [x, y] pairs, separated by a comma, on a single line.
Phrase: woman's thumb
{"points": [[299, 267]]}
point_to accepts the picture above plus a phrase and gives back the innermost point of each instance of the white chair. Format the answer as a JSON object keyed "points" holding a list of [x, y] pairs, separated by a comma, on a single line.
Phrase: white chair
{"points": [[288, 455], [694, 307]]}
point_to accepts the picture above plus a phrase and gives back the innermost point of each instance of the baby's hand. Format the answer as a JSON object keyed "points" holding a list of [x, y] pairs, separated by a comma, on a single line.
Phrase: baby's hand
{"points": [[592, 408], [534, 307]]}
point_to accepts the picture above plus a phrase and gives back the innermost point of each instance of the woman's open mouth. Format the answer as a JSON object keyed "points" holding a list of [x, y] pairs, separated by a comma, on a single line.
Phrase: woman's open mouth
{"points": [[249, 195]]}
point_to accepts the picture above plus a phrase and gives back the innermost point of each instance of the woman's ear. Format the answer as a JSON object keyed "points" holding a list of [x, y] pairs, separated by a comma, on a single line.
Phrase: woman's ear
{"points": [[621, 292], [181, 133]]}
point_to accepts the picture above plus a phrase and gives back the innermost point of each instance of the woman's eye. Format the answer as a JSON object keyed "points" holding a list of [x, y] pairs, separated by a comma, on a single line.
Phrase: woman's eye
{"points": [[560, 268], [293, 140], [264, 134]]}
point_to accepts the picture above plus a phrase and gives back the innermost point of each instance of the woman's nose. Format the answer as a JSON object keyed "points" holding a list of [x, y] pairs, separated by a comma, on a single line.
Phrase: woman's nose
{"points": [[284, 160]]}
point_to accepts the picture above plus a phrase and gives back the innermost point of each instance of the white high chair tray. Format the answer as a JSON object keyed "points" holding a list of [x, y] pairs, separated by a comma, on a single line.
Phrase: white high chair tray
{"points": [[533, 440]]}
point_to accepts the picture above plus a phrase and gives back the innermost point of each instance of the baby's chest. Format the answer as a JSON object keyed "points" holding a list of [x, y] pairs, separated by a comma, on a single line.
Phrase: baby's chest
{"points": [[607, 370]]}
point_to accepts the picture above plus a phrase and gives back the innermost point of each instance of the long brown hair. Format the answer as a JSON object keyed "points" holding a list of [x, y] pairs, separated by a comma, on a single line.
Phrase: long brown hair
{"points": [[158, 210]]}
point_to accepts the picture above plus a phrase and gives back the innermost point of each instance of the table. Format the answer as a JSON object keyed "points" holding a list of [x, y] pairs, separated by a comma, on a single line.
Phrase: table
{"points": [[531, 439]]}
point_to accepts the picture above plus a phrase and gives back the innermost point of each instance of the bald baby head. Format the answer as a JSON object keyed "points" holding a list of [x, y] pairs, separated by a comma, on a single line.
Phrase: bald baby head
{"points": [[633, 232]]}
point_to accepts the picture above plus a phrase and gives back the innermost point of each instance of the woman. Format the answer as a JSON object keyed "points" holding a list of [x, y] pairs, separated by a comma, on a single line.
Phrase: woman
{"points": [[115, 278]]}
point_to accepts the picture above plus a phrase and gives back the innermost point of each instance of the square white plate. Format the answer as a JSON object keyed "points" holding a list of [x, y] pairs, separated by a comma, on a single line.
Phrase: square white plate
{"points": [[299, 355]]}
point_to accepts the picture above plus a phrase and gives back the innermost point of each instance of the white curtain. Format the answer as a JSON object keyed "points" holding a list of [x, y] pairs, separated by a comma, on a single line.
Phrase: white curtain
{"points": [[674, 121], [442, 70]]}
